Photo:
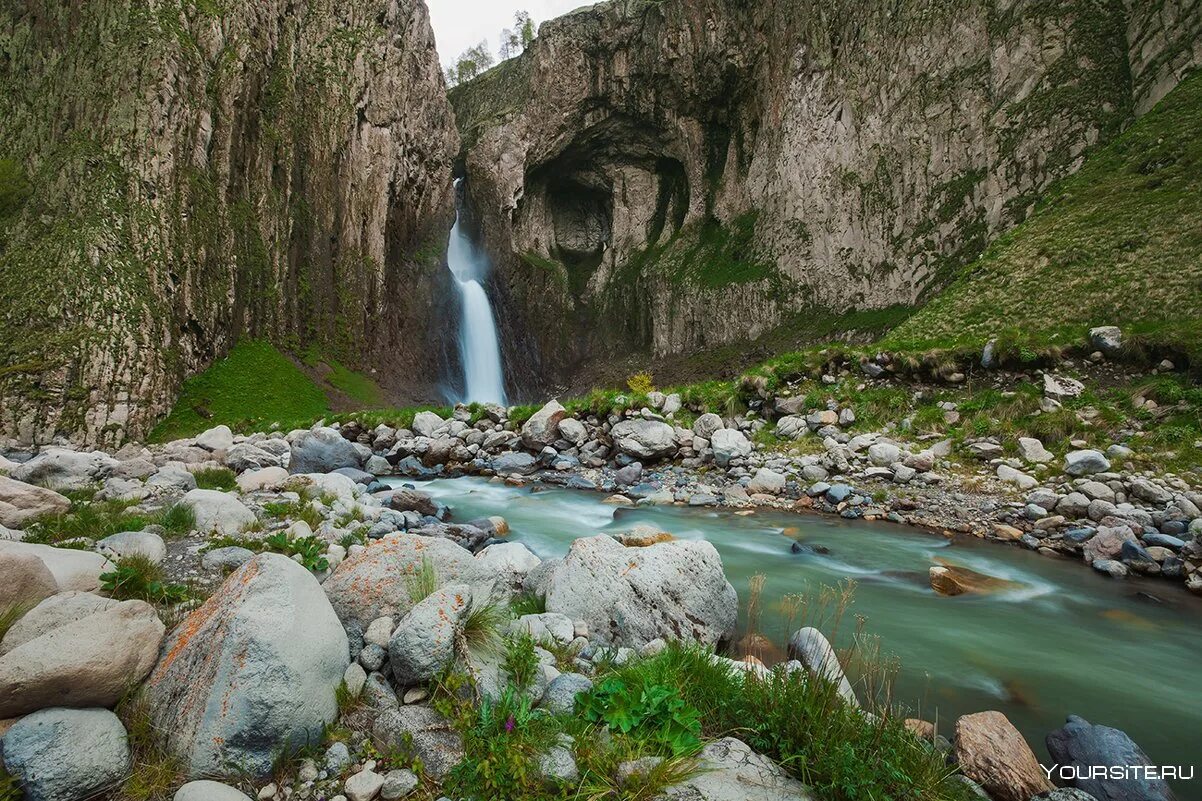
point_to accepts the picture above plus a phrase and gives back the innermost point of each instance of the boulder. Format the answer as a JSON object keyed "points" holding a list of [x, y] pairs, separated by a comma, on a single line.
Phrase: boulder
{"points": [[62, 469], [1085, 463], [1081, 744], [21, 502], [27, 580], [427, 424], [265, 478], [949, 579], [172, 478], [228, 558], [1107, 543], [516, 463], [1032, 451], [1016, 477], [1061, 388], [510, 562], [766, 481], [248, 456], [991, 752], [57, 610], [218, 512], [729, 444], [205, 790], [573, 430], [423, 644], [322, 450], [134, 543], [375, 583], [728, 770], [403, 499], [420, 733], [883, 454], [560, 695], [631, 596], [1107, 338], [543, 426], [92, 661], [67, 754], [814, 651], [791, 427], [252, 672], [644, 439], [72, 569], [218, 438], [706, 425], [545, 628]]}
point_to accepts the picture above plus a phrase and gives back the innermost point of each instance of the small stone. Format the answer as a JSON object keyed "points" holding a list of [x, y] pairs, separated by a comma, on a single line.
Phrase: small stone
{"points": [[363, 786], [398, 784]]}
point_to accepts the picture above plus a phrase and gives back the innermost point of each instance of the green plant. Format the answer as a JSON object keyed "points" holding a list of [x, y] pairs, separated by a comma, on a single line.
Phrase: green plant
{"points": [[9, 615], [137, 577], [178, 520], [90, 520], [216, 478], [520, 661], [156, 771], [527, 604], [9, 789], [295, 510], [654, 712], [311, 550], [422, 581], [502, 741], [641, 383], [482, 628]]}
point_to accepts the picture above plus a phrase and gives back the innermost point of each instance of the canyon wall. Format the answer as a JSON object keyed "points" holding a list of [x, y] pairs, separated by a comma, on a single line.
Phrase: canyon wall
{"points": [[666, 177], [176, 174]]}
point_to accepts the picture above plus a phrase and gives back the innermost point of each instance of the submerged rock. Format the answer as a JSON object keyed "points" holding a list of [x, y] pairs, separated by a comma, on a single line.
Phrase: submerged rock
{"points": [[949, 579]]}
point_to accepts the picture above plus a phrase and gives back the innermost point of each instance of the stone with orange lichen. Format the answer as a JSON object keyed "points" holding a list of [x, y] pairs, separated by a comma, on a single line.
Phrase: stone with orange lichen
{"points": [[423, 644], [376, 582], [252, 671]]}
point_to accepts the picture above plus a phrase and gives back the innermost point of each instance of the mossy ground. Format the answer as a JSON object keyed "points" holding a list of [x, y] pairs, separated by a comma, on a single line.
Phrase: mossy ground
{"points": [[1118, 243]]}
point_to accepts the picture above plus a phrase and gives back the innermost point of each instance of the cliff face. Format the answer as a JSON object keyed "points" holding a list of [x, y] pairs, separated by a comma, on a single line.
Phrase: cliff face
{"points": [[670, 176], [176, 174]]}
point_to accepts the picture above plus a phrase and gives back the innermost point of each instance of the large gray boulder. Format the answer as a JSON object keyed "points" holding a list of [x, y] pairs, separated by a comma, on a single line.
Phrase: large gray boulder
{"points": [[21, 502], [218, 512], [1081, 744], [134, 543], [67, 754], [251, 673], [376, 582], [631, 596], [88, 662], [62, 469], [249, 456], [57, 610], [522, 464], [423, 644], [218, 438], [729, 444], [543, 426], [72, 569], [644, 439], [322, 450], [1085, 463], [705, 425], [728, 770]]}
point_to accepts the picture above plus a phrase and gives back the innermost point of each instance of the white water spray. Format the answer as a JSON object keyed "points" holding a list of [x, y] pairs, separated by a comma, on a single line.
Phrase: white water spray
{"points": [[479, 345]]}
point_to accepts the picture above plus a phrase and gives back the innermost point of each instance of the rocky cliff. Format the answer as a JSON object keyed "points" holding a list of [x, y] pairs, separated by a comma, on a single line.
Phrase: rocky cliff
{"points": [[663, 177], [176, 174]]}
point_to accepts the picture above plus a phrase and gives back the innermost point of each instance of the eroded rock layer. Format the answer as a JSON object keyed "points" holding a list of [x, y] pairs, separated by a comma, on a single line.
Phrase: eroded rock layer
{"points": [[180, 173], [667, 177]]}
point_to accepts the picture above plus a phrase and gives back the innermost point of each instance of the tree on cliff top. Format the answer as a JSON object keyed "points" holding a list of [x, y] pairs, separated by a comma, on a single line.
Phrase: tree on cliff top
{"points": [[471, 62]]}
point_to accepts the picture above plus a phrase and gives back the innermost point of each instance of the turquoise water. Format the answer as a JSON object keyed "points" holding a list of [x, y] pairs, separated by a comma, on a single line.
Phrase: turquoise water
{"points": [[1063, 640]]}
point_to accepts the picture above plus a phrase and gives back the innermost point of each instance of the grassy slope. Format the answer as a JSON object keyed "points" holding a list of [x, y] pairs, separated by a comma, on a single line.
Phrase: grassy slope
{"points": [[1119, 242], [254, 386]]}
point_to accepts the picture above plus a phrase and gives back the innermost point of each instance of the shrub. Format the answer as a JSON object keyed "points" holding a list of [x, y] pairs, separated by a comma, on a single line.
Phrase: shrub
{"points": [[641, 383], [216, 478], [137, 577], [520, 661], [649, 711]]}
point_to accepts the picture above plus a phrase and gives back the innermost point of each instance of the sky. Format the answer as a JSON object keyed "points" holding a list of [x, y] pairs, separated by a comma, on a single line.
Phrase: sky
{"points": [[459, 24]]}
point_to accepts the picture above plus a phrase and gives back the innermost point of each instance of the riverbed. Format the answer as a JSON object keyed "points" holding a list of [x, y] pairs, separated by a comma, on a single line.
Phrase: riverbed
{"points": [[1062, 640]]}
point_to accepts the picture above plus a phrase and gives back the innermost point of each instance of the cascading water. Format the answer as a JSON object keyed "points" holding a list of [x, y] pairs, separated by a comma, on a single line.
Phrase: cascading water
{"points": [[479, 345]]}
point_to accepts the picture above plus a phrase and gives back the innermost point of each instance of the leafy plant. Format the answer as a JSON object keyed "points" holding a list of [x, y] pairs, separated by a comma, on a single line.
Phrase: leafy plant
{"points": [[520, 660], [311, 550], [503, 743], [527, 604], [137, 577], [654, 712]]}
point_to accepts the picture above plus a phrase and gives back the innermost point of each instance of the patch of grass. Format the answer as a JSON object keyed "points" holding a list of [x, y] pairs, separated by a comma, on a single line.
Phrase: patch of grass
{"points": [[137, 577], [156, 772], [9, 789], [9, 616], [294, 510], [359, 387], [482, 629], [422, 582], [252, 388], [216, 478], [527, 604], [91, 520], [177, 520]]}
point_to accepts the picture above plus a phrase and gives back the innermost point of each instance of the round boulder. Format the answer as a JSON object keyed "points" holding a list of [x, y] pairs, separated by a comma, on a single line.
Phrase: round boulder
{"points": [[251, 673], [67, 754], [644, 439]]}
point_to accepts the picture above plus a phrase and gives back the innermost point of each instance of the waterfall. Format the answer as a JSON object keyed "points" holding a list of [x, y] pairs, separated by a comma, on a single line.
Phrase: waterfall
{"points": [[479, 345]]}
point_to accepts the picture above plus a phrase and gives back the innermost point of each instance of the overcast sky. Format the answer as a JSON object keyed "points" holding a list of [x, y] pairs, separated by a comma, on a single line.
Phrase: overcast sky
{"points": [[459, 24]]}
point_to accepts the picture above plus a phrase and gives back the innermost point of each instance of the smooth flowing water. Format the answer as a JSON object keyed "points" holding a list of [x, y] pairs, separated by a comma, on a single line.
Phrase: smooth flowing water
{"points": [[1066, 640], [479, 345]]}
